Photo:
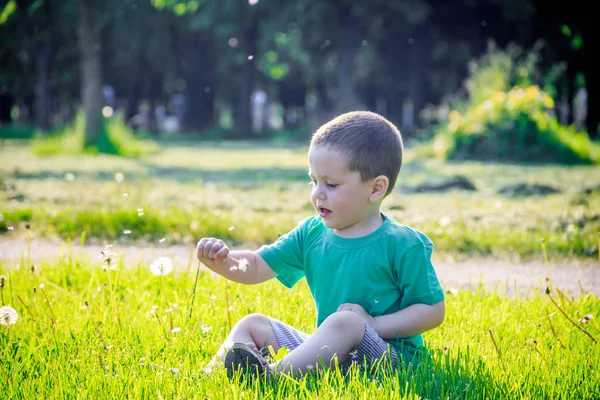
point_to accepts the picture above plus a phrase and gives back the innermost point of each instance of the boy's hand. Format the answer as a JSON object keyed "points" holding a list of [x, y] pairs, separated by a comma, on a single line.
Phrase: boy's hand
{"points": [[357, 309], [211, 250]]}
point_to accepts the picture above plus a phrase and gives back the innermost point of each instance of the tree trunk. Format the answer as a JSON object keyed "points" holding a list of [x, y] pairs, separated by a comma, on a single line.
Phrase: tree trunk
{"points": [[591, 67], [244, 122], [7, 100], [346, 100], [91, 74], [42, 91]]}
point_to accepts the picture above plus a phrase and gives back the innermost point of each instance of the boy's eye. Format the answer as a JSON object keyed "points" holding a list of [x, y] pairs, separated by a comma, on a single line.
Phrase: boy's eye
{"points": [[331, 185]]}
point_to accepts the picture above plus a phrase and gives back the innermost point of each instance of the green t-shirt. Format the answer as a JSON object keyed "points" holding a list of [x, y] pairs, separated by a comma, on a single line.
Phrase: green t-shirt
{"points": [[385, 271]]}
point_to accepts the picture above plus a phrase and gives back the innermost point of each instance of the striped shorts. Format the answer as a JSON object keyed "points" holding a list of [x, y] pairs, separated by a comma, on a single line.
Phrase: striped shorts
{"points": [[371, 351]]}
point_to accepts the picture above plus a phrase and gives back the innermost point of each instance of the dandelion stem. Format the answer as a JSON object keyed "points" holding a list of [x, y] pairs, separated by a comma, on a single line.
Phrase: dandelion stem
{"points": [[570, 320], [227, 305], [52, 317], [496, 346], [27, 308], [194, 290], [553, 331], [546, 261]]}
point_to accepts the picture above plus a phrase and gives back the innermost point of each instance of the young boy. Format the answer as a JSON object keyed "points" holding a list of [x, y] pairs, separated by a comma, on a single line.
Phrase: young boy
{"points": [[371, 278]]}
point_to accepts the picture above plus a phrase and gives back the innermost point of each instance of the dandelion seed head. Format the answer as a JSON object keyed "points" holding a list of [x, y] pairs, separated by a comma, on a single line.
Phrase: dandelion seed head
{"points": [[110, 346], [243, 265], [8, 315], [69, 177], [140, 212], [175, 330], [119, 177], [161, 266], [213, 297], [174, 371], [205, 329], [41, 286]]}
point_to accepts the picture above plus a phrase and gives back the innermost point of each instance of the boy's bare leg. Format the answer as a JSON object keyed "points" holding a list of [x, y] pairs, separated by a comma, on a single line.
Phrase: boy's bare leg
{"points": [[253, 330], [340, 334]]}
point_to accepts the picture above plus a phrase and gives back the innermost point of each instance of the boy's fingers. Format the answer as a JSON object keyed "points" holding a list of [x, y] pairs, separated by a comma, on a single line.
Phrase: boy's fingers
{"points": [[222, 254], [216, 246]]}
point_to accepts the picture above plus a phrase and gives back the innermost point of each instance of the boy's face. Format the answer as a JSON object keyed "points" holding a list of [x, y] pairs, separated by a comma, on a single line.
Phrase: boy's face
{"points": [[339, 195]]}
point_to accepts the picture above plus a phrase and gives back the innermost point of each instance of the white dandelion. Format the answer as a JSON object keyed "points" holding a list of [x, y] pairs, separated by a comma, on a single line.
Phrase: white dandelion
{"points": [[119, 177], [175, 330], [161, 266], [41, 286], [107, 258], [243, 265], [8, 316], [205, 329], [69, 177], [140, 212]]}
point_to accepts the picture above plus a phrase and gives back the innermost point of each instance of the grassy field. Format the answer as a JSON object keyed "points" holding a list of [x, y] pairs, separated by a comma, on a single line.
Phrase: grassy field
{"points": [[249, 194], [83, 332]]}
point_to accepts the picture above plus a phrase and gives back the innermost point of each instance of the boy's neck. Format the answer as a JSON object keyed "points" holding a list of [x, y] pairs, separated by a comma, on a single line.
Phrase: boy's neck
{"points": [[362, 228]]}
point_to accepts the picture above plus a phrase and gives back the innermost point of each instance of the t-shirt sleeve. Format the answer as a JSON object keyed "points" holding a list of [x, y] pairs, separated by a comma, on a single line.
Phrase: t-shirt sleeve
{"points": [[286, 255], [416, 277]]}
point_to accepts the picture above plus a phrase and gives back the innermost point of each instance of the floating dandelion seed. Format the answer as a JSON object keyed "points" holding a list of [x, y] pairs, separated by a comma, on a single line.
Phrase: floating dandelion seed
{"points": [[213, 297], [310, 367], [140, 212], [69, 177], [162, 240], [175, 330], [231, 228], [11, 228], [125, 194], [119, 177], [233, 268], [174, 371], [250, 57], [205, 329], [127, 231], [253, 2], [161, 266], [8, 316]]}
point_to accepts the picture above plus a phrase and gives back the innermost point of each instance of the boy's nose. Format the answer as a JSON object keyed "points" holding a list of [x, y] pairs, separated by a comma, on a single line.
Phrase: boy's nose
{"points": [[318, 193]]}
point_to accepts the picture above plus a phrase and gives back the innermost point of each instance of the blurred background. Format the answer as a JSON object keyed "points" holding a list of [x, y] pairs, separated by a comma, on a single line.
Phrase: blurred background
{"points": [[259, 69]]}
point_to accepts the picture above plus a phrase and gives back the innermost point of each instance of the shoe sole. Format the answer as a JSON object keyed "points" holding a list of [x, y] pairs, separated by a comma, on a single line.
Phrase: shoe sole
{"points": [[241, 357]]}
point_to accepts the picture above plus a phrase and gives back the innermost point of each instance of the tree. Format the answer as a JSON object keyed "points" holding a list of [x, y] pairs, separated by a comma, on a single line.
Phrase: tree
{"points": [[91, 73]]}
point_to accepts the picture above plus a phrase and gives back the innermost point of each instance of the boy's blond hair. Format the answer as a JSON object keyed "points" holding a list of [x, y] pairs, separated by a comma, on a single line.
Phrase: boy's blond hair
{"points": [[372, 143]]}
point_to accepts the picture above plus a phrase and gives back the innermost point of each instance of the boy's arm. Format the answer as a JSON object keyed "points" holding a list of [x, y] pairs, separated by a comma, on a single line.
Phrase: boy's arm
{"points": [[412, 320], [242, 266]]}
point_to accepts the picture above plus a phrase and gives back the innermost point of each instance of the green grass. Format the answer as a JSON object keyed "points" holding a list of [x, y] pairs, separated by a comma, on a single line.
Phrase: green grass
{"points": [[108, 334], [190, 191]]}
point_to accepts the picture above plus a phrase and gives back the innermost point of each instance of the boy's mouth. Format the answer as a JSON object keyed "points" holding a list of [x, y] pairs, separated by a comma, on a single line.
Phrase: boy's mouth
{"points": [[324, 212]]}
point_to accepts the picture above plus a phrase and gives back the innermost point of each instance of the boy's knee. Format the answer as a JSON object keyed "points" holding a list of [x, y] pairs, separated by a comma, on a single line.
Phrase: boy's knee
{"points": [[254, 320], [346, 322]]}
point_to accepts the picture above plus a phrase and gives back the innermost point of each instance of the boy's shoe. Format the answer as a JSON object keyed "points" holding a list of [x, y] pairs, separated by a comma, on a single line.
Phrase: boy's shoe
{"points": [[241, 357]]}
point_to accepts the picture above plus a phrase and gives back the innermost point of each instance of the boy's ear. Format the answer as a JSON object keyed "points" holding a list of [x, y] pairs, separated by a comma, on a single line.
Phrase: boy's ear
{"points": [[379, 188]]}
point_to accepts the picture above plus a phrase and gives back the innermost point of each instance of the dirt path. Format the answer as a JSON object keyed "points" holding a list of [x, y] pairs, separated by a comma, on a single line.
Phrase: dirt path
{"points": [[492, 273]]}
